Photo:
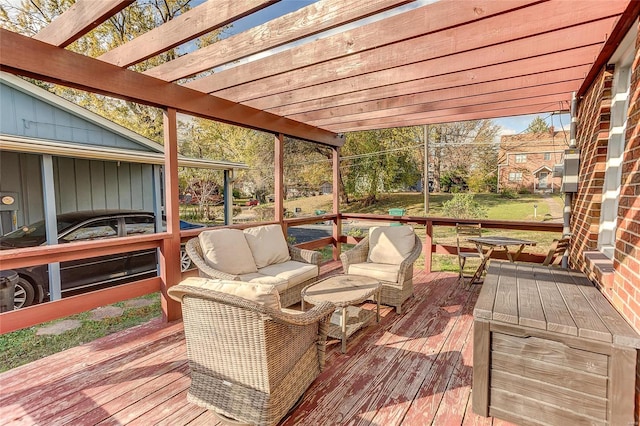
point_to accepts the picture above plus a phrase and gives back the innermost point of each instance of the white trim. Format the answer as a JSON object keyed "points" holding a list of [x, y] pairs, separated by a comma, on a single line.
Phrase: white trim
{"points": [[622, 60], [62, 149]]}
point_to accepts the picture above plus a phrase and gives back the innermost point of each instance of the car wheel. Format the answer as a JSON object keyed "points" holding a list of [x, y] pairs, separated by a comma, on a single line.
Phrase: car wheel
{"points": [[24, 293], [185, 260]]}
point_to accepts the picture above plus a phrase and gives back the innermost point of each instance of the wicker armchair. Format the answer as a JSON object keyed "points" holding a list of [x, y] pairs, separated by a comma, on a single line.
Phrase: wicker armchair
{"points": [[393, 293], [288, 297], [249, 362]]}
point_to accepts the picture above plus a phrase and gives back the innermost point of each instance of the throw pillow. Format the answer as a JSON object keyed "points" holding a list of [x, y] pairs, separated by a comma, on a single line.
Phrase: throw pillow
{"points": [[390, 244], [227, 250], [268, 245]]}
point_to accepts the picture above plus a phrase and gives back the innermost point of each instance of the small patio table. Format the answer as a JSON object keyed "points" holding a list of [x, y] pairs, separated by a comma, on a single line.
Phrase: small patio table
{"points": [[344, 291], [496, 242]]}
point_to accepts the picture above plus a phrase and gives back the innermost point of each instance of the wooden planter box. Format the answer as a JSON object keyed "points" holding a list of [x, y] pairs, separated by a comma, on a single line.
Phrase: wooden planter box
{"points": [[550, 349]]}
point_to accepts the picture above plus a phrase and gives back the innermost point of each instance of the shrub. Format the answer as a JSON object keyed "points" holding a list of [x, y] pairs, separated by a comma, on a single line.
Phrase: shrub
{"points": [[356, 232], [508, 193], [463, 206]]}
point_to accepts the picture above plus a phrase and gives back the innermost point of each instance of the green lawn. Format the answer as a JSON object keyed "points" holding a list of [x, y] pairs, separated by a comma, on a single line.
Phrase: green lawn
{"points": [[500, 208], [24, 346]]}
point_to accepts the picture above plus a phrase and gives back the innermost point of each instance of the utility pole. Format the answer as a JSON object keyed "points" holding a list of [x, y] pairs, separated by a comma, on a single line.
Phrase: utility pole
{"points": [[426, 169]]}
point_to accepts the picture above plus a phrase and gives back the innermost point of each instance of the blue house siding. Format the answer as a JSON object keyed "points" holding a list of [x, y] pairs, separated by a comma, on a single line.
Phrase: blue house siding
{"points": [[25, 115], [21, 174], [79, 184]]}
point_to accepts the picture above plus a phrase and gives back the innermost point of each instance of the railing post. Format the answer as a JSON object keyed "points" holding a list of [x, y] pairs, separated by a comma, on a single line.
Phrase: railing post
{"points": [[278, 179], [337, 223], [428, 246]]}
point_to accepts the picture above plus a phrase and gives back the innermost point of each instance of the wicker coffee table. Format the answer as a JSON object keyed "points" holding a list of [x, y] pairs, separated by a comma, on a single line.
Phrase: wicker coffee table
{"points": [[345, 291]]}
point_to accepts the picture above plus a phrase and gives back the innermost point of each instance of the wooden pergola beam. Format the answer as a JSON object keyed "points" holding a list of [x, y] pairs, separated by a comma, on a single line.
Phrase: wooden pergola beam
{"points": [[456, 97], [304, 22], [531, 69], [503, 109], [25, 56], [388, 44], [79, 19], [316, 84], [189, 25]]}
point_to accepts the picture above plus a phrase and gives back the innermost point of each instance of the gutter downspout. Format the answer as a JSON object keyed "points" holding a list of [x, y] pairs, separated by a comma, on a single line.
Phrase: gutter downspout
{"points": [[568, 196]]}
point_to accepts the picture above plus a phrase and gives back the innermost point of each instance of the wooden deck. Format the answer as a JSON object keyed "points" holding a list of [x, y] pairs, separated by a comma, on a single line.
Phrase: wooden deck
{"points": [[412, 369]]}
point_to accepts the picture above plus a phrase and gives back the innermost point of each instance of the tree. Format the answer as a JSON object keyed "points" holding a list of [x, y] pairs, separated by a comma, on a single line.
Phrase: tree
{"points": [[461, 152], [379, 160], [32, 15], [538, 125]]}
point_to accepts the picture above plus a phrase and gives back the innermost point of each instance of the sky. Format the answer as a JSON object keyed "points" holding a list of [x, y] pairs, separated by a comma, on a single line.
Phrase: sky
{"points": [[517, 124]]}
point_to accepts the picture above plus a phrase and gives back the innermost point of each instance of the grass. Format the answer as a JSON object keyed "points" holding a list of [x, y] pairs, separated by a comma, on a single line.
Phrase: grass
{"points": [[500, 208], [23, 346]]}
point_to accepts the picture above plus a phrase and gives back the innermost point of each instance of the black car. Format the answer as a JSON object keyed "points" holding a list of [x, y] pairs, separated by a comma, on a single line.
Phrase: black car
{"points": [[84, 275]]}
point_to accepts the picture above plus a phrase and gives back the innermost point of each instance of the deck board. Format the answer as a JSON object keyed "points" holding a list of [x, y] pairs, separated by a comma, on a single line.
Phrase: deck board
{"points": [[411, 369]]}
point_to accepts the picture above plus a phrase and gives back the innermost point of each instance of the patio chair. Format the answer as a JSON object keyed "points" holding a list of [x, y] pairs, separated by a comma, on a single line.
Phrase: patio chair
{"points": [[556, 252], [464, 231], [387, 254], [250, 360]]}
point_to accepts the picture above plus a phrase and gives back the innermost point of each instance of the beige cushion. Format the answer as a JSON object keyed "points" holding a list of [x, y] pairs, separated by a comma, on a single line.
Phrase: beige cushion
{"points": [[267, 244], [390, 244], [379, 271], [263, 294], [292, 271], [227, 250], [255, 277]]}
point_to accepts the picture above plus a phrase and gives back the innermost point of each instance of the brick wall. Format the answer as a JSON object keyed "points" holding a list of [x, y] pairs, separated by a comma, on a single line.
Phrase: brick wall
{"points": [[626, 282], [593, 119]]}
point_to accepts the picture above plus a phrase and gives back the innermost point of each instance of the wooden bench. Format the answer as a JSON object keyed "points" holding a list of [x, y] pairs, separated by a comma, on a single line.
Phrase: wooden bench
{"points": [[549, 348]]}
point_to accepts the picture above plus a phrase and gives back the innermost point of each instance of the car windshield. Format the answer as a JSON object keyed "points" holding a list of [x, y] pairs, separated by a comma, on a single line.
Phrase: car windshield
{"points": [[30, 235]]}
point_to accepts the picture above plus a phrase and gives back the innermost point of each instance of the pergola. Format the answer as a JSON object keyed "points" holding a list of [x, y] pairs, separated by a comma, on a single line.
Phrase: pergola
{"points": [[329, 73]]}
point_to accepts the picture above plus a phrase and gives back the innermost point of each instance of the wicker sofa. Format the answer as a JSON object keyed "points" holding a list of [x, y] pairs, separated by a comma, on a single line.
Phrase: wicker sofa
{"points": [[387, 254], [250, 360], [258, 254]]}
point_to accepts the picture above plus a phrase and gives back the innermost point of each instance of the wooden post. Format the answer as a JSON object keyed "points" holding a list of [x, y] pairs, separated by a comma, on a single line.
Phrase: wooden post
{"points": [[228, 197], [170, 248], [425, 188], [427, 249], [279, 179], [481, 352], [51, 229], [337, 224]]}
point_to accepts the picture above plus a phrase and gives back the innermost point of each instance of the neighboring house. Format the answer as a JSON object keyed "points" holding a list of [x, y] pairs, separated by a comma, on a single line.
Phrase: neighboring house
{"points": [[326, 188], [526, 161], [56, 156]]}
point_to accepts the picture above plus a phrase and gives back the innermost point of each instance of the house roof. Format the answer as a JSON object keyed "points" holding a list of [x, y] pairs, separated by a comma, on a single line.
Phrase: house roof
{"points": [[540, 169], [535, 142], [153, 152], [321, 70]]}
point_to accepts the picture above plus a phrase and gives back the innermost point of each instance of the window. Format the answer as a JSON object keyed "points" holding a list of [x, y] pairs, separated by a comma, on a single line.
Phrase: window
{"points": [[521, 158], [96, 230], [622, 60], [139, 225], [515, 176], [547, 156]]}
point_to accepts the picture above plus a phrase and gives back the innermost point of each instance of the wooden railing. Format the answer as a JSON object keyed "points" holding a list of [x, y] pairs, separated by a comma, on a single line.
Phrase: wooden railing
{"points": [[26, 317]]}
